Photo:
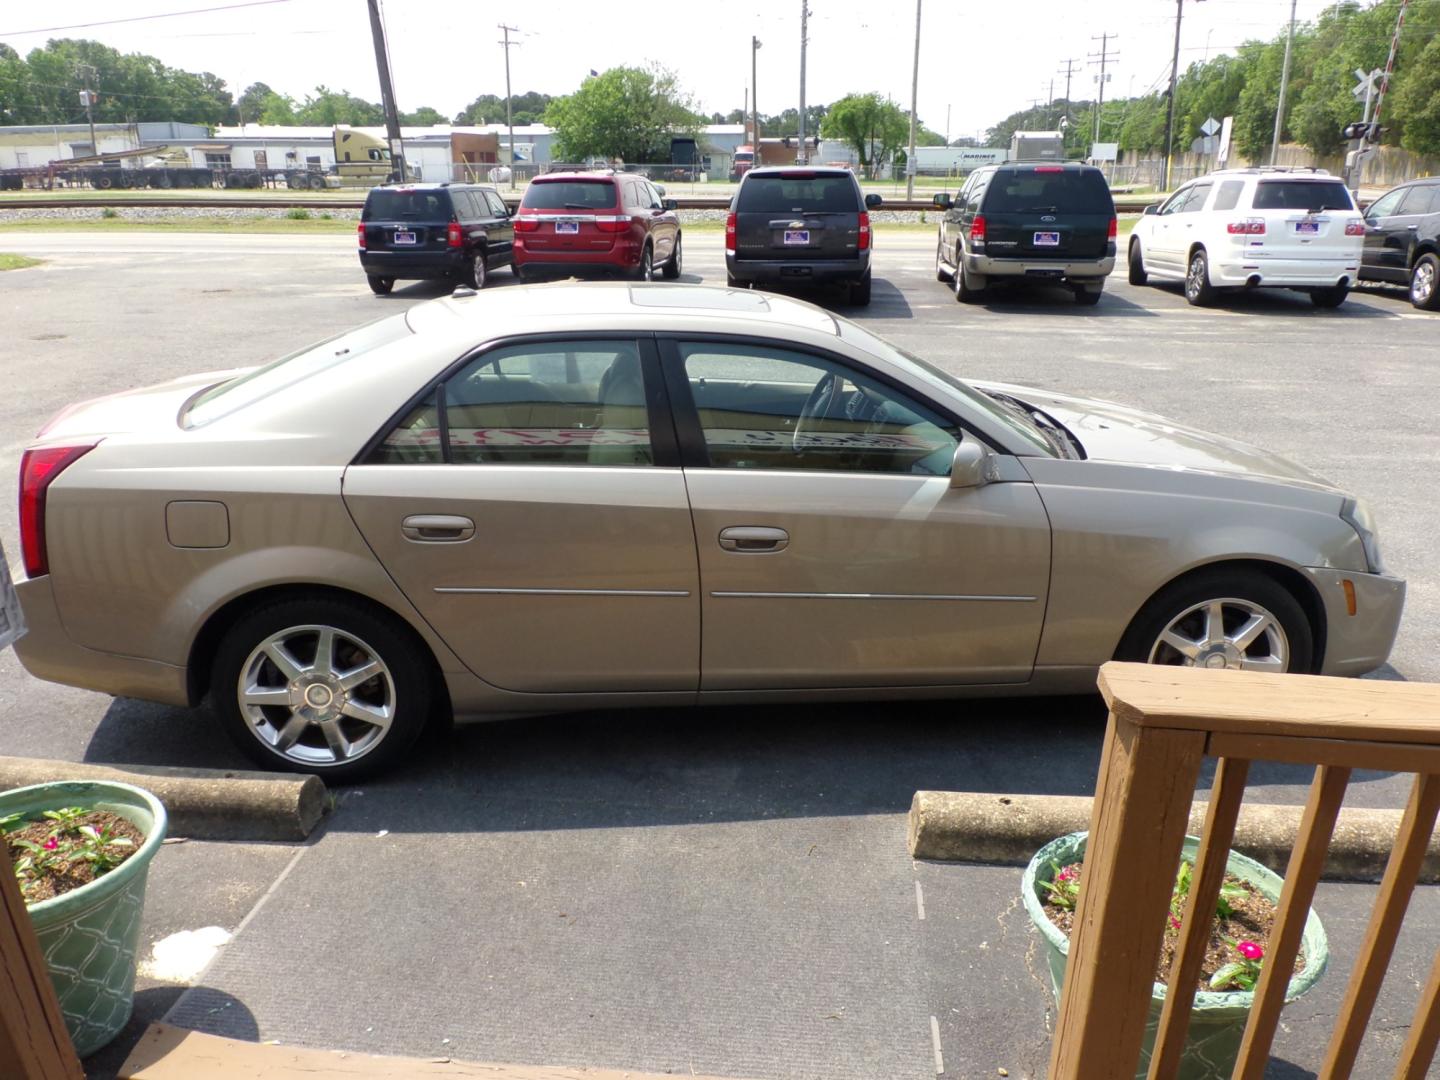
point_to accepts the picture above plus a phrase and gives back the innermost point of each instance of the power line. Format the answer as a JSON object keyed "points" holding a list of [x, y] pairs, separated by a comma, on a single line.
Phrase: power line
{"points": [[1105, 56], [141, 18]]}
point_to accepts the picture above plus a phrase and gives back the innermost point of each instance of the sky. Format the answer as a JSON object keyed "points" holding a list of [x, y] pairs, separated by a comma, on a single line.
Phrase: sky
{"points": [[978, 61]]}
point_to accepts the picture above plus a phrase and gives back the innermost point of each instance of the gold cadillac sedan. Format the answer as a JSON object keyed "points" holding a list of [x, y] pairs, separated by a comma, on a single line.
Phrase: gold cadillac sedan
{"points": [[564, 497]]}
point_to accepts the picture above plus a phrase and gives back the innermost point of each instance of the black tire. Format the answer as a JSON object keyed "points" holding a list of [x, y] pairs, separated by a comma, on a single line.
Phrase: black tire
{"points": [[104, 182], [477, 272], [860, 292], [674, 265], [380, 286], [317, 182], [1425, 283], [732, 282], [1142, 637], [645, 270], [1198, 290], [1138, 276], [1332, 297], [408, 691], [515, 269], [969, 288], [1088, 297], [941, 274]]}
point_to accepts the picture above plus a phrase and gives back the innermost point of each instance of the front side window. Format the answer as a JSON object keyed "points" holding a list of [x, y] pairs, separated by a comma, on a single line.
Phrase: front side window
{"points": [[1386, 204], [551, 403], [1417, 199], [1176, 202], [762, 407], [1196, 202]]}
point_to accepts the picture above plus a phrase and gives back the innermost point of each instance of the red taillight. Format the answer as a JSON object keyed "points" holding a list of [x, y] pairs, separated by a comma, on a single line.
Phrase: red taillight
{"points": [[360, 232], [1355, 228], [1049, 168], [527, 223], [977, 229], [453, 236], [1248, 227], [1114, 228], [612, 223], [730, 233], [38, 468], [864, 243]]}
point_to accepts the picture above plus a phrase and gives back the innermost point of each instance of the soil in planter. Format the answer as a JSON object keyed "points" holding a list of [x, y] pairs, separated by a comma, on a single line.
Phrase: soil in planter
{"points": [[63, 867], [1253, 917]]}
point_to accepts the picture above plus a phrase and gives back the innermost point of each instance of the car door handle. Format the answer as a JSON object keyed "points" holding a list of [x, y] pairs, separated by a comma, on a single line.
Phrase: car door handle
{"points": [[754, 539], [437, 528], [1413, 228]]}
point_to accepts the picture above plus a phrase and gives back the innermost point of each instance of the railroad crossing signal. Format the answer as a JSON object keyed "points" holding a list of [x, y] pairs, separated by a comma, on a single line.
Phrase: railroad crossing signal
{"points": [[1366, 85]]}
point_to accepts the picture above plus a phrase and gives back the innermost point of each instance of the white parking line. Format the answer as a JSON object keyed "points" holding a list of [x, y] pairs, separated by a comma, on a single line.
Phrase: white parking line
{"points": [[920, 900], [935, 1039]]}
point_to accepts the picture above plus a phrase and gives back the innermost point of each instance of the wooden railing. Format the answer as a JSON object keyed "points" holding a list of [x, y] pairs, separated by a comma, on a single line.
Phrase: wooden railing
{"points": [[1163, 722]]}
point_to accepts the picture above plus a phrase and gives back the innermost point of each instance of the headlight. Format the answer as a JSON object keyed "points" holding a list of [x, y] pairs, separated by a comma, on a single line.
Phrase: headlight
{"points": [[1358, 516]]}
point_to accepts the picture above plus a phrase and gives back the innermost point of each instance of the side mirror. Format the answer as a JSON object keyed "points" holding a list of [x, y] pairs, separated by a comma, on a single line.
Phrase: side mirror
{"points": [[660, 188], [872, 201], [972, 466], [1151, 209], [670, 204], [942, 202]]}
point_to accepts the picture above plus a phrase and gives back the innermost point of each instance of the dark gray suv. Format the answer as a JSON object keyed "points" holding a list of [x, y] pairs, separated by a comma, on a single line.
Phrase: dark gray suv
{"points": [[797, 225], [1028, 221], [1402, 241]]}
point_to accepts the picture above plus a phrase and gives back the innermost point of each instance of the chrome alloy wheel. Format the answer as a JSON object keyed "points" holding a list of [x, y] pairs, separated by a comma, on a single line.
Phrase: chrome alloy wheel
{"points": [[1225, 633], [1422, 282], [316, 695], [1195, 279]]}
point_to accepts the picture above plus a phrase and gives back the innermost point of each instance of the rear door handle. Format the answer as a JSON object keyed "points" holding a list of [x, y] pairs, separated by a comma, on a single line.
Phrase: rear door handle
{"points": [[755, 539], [437, 528]]}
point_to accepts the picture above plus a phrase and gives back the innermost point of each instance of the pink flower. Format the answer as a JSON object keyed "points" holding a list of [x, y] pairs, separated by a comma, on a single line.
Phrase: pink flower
{"points": [[51, 844], [1174, 922], [1064, 875], [1249, 950]]}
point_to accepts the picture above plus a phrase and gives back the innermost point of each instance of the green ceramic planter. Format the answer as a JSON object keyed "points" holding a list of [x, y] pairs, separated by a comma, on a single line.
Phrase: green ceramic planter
{"points": [[90, 935], [1217, 1023]]}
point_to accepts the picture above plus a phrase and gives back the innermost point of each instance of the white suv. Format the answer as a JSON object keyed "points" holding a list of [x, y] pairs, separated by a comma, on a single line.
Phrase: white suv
{"points": [[1253, 228]]}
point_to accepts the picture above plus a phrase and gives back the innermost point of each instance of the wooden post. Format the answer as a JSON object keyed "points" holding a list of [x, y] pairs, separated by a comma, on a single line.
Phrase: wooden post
{"points": [[1137, 829], [32, 1031]]}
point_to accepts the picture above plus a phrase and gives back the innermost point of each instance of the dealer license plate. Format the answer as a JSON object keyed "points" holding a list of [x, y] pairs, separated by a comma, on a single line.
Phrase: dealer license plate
{"points": [[1047, 239], [402, 237], [1307, 228], [567, 226], [797, 236]]}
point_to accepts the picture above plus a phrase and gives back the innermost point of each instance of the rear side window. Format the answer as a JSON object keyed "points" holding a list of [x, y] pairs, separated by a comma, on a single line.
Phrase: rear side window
{"points": [[1229, 196], [1302, 195], [1071, 191], [497, 204], [569, 195], [789, 194], [388, 204], [1421, 199]]}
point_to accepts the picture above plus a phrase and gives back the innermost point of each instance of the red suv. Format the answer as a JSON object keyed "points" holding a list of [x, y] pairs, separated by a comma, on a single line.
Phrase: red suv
{"points": [[581, 223]]}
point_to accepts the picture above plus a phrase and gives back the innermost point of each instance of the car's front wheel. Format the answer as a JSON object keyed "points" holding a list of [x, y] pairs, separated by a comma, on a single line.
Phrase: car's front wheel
{"points": [[380, 286], [1238, 619], [1425, 283], [321, 685]]}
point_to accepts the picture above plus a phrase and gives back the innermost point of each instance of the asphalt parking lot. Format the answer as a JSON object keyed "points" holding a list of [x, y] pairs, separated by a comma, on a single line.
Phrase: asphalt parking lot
{"points": [[714, 891]]}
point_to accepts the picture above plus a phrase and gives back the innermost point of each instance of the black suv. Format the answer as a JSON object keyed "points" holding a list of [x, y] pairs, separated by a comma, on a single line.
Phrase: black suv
{"points": [[459, 231], [797, 225], [1402, 241], [1028, 221]]}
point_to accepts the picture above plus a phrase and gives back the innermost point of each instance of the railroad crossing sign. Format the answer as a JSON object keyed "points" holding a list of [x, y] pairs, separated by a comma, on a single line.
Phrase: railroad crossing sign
{"points": [[1366, 86], [1210, 127]]}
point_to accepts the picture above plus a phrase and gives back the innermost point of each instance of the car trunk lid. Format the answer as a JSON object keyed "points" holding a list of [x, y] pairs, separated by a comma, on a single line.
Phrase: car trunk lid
{"points": [[1304, 219], [798, 214], [1048, 212], [572, 215], [148, 409]]}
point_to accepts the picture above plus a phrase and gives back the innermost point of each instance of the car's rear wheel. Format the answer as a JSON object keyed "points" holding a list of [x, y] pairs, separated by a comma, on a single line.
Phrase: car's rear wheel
{"points": [[674, 265], [732, 282], [1332, 297], [1088, 297], [969, 288], [321, 685], [1138, 276], [860, 291], [1238, 619], [645, 268], [380, 286], [477, 273], [1425, 283], [941, 274], [1198, 290]]}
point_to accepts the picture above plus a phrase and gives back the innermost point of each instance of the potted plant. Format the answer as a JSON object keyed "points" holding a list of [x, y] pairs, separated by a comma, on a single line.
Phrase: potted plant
{"points": [[82, 851], [1217, 1022]]}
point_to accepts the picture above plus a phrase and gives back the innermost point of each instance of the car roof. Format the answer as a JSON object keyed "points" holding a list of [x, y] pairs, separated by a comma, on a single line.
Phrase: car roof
{"points": [[606, 177], [781, 170], [641, 307], [1074, 166]]}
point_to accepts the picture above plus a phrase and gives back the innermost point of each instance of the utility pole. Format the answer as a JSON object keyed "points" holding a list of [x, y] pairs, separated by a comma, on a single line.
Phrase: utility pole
{"points": [[387, 92], [754, 104], [1170, 110], [87, 73], [914, 105], [802, 156], [1284, 85], [1105, 57], [947, 125], [509, 99], [1050, 102]]}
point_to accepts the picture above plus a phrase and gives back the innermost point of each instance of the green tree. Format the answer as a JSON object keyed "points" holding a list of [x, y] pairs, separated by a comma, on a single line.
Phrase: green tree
{"points": [[490, 109], [871, 125], [626, 112], [278, 109], [424, 116], [326, 108], [1417, 102], [251, 103]]}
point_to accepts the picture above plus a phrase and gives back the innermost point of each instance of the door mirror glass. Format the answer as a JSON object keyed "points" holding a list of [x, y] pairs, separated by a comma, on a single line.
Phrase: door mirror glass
{"points": [[671, 204], [872, 201], [972, 466], [1151, 209], [942, 202]]}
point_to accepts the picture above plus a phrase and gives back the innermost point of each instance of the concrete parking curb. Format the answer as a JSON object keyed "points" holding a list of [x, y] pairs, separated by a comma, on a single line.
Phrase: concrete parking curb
{"points": [[204, 804], [951, 826]]}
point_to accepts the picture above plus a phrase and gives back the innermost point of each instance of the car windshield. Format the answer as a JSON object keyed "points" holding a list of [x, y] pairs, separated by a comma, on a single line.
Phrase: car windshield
{"points": [[1066, 191], [569, 195], [1015, 421], [1302, 195], [243, 390], [389, 204], [789, 194]]}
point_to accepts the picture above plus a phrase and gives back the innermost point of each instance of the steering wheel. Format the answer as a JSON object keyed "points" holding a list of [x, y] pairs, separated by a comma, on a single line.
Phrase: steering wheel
{"points": [[818, 403]]}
